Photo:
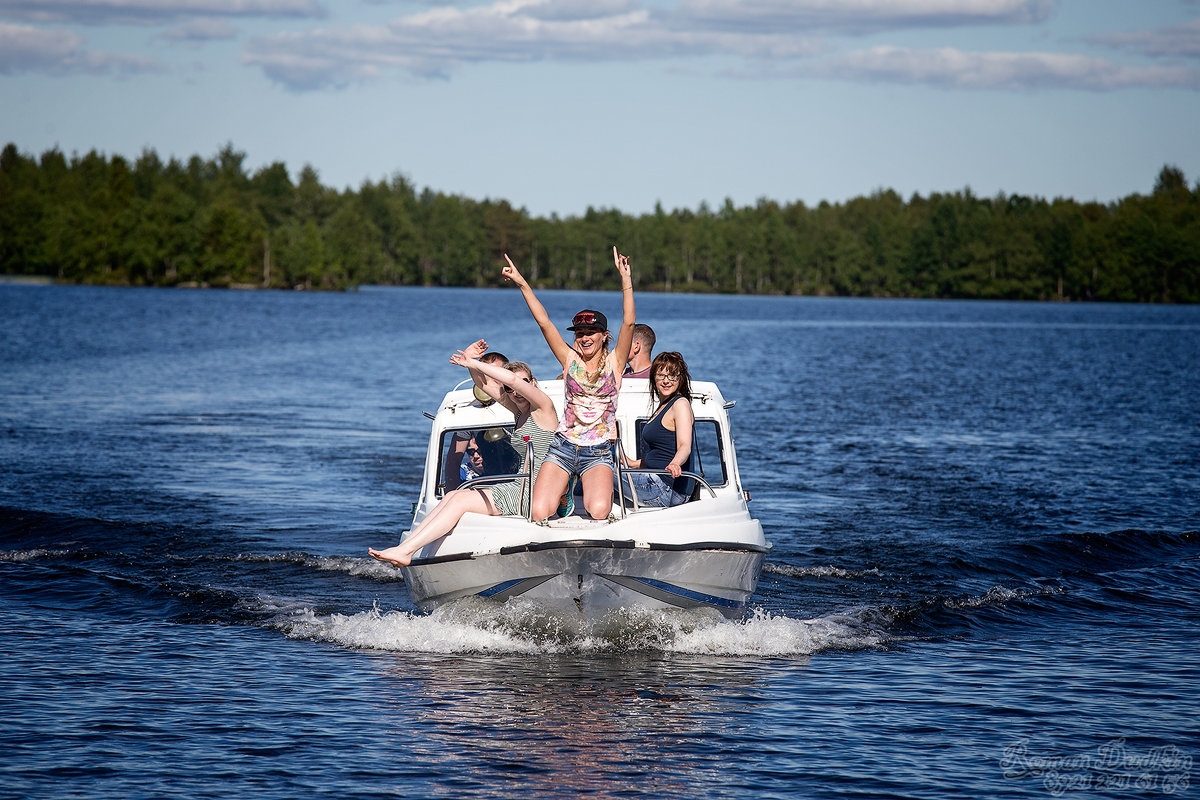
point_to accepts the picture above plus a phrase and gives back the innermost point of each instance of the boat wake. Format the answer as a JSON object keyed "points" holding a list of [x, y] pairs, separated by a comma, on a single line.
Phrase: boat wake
{"points": [[355, 566], [873, 597], [474, 626], [826, 571]]}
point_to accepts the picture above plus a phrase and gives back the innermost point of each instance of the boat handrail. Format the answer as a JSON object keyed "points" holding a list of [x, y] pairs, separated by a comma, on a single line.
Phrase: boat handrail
{"points": [[486, 480], [666, 473], [527, 491], [623, 471], [489, 479]]}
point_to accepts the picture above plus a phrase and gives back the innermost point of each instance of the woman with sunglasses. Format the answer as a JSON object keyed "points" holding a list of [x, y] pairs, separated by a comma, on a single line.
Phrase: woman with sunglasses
{"points": [[534, 422], [583, 444], [666, 439]]}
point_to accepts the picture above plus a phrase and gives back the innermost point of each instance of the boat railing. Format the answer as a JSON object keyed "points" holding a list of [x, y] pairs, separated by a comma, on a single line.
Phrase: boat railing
{"points": [[488, 480], [622, 474], [626, 471], [483, 480], [622, 471]]}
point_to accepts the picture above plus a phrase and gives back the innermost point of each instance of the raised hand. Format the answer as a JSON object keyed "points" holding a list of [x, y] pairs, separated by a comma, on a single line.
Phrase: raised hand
{"points": [[512, 273], [621, 262], [475, 349], [460, 358]]}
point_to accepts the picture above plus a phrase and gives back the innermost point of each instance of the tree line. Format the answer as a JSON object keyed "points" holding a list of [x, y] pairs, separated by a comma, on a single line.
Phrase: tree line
{"points": [[210, 222]]}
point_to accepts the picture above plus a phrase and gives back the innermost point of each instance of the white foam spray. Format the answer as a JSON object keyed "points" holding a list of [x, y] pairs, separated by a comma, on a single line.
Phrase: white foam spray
{"points": [[474, 625]]}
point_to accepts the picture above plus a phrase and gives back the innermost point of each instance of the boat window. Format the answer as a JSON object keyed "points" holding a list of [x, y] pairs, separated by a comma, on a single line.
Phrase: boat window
{"points": [[707, 447], [474, 452], [710, 452]]}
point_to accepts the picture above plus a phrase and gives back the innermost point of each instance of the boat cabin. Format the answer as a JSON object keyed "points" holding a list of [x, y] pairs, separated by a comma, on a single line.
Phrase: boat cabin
{"points": [[469, 442]]}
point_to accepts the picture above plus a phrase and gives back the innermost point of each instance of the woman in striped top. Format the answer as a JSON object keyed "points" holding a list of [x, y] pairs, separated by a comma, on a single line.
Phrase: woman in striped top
{"points": [[535, 421]]}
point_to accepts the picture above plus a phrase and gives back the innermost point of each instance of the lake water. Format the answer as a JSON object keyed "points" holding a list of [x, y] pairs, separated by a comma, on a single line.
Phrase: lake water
{"points": [[985, 578]]}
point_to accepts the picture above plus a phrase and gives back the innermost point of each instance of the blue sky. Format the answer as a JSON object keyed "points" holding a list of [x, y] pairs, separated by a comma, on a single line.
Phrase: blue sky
{"points": [[558, 105]]}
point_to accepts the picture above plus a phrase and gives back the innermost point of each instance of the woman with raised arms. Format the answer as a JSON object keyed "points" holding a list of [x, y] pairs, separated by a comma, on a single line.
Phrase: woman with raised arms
{"points": [[535, 420], [583, 444]]}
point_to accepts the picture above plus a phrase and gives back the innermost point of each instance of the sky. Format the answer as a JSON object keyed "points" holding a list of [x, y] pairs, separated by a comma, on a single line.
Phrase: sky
{"points": [[561, 105]]}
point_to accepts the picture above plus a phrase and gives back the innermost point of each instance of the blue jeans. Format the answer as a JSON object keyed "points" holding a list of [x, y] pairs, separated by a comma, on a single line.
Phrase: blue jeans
{"points": [[655, 491], [578, 459]]}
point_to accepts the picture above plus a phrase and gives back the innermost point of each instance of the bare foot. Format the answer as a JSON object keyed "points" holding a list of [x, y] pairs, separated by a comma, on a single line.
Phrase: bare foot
{"points": [[393, 556]]}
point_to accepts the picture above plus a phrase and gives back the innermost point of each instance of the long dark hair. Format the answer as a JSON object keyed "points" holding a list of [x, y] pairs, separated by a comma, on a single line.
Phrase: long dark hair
{"points": [[671, 361]]}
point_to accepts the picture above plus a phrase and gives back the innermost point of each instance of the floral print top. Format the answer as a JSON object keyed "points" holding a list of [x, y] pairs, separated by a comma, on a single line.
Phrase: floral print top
{"points": [[590, 417]]}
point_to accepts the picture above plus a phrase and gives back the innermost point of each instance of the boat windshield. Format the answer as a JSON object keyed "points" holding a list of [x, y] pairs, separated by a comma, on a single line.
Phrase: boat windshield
{"points": [[468, 453], [708, 447]]}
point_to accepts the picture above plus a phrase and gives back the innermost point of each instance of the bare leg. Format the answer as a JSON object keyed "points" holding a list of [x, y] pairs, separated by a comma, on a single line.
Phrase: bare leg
{"points": [[437, 524], [547, 489], [598, 491]]}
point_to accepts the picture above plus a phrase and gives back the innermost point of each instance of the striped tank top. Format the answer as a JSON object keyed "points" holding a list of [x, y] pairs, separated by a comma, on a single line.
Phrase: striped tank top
{"points": [[511, 497]]}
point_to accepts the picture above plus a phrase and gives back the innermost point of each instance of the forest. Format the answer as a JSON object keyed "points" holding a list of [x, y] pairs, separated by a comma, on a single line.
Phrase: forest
{"points": [[210, 223]]}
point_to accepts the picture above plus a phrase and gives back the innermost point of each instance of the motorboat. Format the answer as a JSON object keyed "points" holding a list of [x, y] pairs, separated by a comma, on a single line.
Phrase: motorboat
{"points": [[706, 553]]}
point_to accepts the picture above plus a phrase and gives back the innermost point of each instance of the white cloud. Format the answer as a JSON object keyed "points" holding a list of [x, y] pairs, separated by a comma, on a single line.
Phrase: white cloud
{"points": [[577, 9], [434, 42], [150, 12], [200, 30], [28, 49], [952, 68], [784, 38], [776, 35], [1178, 41], [860, 16]]}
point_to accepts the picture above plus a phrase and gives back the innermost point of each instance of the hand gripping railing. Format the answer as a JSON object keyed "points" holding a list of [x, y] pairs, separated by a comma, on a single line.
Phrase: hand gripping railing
{"points": [[622, 471]]}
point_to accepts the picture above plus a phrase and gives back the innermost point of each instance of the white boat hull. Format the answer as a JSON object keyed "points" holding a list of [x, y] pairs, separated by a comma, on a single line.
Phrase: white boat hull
{"points": [[592, 577]]}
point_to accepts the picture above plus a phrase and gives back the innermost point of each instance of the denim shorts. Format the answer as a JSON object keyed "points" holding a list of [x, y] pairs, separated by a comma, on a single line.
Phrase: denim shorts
{"points": [[655, 491], [578, 459]]}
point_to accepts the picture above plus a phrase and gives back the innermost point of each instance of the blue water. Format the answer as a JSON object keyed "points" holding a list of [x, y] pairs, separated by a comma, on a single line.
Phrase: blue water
{"points": [[984, 583]]}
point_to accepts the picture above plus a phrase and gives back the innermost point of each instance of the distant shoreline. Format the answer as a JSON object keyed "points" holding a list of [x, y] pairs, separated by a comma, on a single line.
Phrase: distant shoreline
{"points": [[99, 221], [46, 280], [29, 280]]}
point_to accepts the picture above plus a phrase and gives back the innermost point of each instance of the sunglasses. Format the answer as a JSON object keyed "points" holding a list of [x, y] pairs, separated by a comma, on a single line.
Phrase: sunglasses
{"points": [[472, 451], [511, 390]]}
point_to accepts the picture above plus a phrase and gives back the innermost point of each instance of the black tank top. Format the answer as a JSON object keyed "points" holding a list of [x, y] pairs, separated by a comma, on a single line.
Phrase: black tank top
{"points": [[658, 446]]}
